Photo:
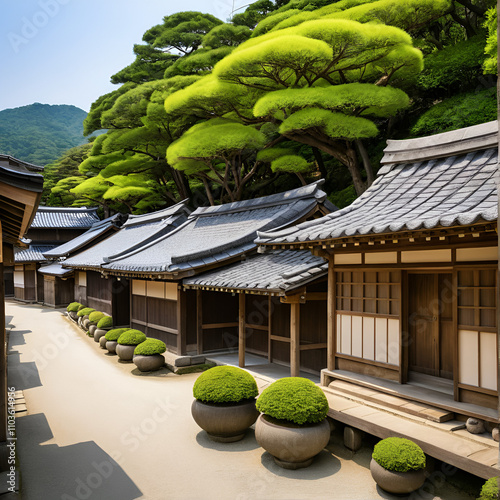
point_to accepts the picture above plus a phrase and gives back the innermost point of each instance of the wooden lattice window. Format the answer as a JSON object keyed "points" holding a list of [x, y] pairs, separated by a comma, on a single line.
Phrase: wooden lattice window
{"points": [[477, 299], [369, 292]]}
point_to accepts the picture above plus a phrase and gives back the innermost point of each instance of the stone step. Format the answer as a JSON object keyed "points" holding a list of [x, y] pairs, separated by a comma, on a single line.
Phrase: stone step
{"points": [[404, 405]]}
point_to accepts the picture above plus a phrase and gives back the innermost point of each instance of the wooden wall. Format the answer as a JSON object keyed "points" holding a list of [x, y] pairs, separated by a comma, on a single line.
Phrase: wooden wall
{"points": [[58, 292]]}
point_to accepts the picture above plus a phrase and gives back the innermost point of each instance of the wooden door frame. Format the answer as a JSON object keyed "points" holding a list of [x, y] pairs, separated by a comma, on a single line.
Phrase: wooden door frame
{"points": [[405, 295]]}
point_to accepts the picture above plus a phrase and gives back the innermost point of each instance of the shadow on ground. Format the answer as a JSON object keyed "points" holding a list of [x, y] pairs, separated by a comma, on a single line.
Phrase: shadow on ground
{"points": [[81, 470]]}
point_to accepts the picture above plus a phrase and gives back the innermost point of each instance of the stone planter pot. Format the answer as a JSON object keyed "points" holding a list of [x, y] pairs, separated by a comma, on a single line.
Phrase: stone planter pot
{"points": [[149, 363], [292, 446], [73, 315], [102, 342], [397, 482], [98, 333], [125, 352], [92, 329], [86, 323], [225, 423], [111, 346]]}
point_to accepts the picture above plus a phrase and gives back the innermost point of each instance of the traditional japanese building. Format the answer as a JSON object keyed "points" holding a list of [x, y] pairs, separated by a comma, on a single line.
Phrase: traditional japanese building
{"points": [[412, 280], [50, 228], [210, 238], [274, 304], [59, 283], [99, 289], [20, 192]]}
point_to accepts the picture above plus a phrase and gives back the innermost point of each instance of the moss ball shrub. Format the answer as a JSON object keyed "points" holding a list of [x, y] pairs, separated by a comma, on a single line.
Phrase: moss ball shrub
{"points": [[105, 322], [73, 307], [490, 490], [95, 316], [150, 347], [131, 337], [294, 399], [398, 455], [81, 307], [225, 384], [84, 311], [114, 335]]}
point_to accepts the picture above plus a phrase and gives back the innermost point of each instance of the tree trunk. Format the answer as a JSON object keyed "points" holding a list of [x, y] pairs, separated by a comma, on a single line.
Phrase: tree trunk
{"points": [[370, 177], [301, 178], [319, 162], [209, 191]]}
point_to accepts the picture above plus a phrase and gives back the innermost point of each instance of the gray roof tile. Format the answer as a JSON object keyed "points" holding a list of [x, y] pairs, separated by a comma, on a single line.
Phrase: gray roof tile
{"points": [[32, 254], [65, 218]]}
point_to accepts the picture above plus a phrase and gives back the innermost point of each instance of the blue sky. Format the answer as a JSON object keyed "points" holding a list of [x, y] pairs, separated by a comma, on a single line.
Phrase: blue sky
{"points": [[64, 51]]}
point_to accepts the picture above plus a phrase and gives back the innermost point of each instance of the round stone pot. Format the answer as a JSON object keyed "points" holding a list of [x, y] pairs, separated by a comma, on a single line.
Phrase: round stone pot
{"points": [[102, 342], [125, 352], [98, 333], [225, 423], [86, 323], [149, 363], [111, 346], [92, 329], [73, 315], [397, 482], [292, 446]]}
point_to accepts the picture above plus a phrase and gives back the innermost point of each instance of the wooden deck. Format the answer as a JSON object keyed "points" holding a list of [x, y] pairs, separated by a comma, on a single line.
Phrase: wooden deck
{"points": [[447, 441]]}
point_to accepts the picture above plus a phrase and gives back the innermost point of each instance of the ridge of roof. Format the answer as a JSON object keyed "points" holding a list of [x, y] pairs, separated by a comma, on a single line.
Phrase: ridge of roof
{"points": [[25, 164], [303, 192], [70, 210], [454, 142], [135, 220]]}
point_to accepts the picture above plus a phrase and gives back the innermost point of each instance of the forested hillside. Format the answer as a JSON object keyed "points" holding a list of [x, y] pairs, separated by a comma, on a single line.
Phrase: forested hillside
{"points": [[285, 93], [40, 133]]}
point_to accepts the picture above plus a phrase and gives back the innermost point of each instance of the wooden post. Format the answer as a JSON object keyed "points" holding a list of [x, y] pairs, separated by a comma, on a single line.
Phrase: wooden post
{"points": [[331, 334], [295, 339], [3, 359], [241, 331], [181, 321], [270, 331], [199, 321]]}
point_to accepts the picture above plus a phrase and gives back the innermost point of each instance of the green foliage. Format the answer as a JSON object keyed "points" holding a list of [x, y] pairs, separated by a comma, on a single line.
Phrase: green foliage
{"points": [[40, 133], [226, 35], [490, 490], [331, 123], [454, 67], [84, 311], [225, 384], [81, 307], [269, 22], [463, 110], [290, 163], [199, 62], [131, 337], [95, 316], [254, 13], [150, 347], [73, 307], [491, 50], [105, 322], [344, 197], [399, 455], [114, 335], [294, 399]]}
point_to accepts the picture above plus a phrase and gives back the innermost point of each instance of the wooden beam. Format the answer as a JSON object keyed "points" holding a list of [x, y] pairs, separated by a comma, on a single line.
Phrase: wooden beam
{"points": [[278, 338], [199, 321], [299, 297], [241, 331], [181, 321], [312, 347], [331, 324], [295, 340], [316, 296], [214, 326]]}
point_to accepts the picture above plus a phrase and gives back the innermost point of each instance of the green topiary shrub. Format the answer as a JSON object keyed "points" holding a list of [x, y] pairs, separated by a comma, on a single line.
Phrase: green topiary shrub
{"points": [[149, 347], [114, 335], [81, 307], [294, 399], [84, 311], [399, 455], [225, 384], [105, 322], [95, 316], [73, 307], [490, 490], [131, 337]]}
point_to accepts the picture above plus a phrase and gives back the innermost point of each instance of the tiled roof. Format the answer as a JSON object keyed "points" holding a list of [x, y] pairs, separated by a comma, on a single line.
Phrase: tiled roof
{"points": [[214, 234], [65, 218], [416, 195], [15, 164], [137, 231], [98, 230], [55, 269], [275, 271], [32, 254]]}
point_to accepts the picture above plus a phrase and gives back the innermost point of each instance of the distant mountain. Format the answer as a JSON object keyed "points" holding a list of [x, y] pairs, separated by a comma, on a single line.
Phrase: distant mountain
{"points": [[40, 133]]}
